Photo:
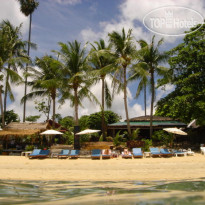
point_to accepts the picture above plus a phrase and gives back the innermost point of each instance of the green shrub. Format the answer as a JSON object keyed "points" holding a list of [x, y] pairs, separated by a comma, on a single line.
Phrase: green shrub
{"points": [[69, 137], [109, 139], [29, 148], [118, 139], [162, 137], [147, 144]]}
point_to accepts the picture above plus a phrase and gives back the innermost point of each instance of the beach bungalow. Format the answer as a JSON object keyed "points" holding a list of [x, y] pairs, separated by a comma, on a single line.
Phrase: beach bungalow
{"points": [[15, 135], [143, 122]]}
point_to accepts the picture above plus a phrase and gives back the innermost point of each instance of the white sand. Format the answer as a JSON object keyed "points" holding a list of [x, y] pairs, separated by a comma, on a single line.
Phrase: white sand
{"points": [[117, 169]]}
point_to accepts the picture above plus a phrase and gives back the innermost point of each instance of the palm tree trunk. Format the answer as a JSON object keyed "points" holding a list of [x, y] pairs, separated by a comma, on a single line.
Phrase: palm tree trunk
{"points": [[145, 100], [125, 102], [49, 108], [103, 108], [152, 101], [2, 109], [54, 107], [76, 106], [5, 94], [28, 53]]}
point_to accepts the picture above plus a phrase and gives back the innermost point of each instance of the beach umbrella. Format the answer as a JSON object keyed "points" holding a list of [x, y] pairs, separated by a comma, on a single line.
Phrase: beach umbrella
{"points": [[51, 132], [87, 131], [175, 130], [48, 133]]}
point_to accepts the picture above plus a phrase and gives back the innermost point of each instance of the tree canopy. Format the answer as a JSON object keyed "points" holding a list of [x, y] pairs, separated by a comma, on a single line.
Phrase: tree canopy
{"points": [[187, 101]]}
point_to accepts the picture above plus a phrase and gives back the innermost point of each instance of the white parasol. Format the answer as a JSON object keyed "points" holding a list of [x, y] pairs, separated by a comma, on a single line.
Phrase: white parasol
{"points": [[87, 131], [51, 132], [175, 131]]}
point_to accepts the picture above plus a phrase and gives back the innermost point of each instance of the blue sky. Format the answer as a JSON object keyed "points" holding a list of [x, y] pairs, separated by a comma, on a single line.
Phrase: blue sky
{"points": [[89, 20]]}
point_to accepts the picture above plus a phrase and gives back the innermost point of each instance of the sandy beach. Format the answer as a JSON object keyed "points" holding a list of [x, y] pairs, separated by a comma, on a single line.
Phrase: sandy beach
{"points": [[117, 169]]}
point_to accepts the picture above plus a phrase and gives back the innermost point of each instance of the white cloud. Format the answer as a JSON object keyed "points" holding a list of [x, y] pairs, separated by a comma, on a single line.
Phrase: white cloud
{"points": [[131, 14], [15, 16]]}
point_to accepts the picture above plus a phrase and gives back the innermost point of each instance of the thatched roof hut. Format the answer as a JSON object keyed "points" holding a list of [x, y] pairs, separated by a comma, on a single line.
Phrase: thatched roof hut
{"points": [[22, 129], [27, 128]]}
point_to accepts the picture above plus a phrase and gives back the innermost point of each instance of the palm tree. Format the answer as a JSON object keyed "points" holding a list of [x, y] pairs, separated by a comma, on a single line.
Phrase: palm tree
{"points": [[77, 81], [27, 8], [151, 57], [125, 51], [46, 80], [16, 56], [103, 65], [140, 72], [12, 53]]}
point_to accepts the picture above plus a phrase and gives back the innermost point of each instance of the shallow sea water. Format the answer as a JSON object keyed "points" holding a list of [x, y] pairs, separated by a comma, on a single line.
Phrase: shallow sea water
{"points": [[107, 192]]}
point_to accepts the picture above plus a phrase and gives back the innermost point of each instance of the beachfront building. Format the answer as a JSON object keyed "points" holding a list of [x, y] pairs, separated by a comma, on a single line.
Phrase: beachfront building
{"points": [[15, 136], [143, 123]]}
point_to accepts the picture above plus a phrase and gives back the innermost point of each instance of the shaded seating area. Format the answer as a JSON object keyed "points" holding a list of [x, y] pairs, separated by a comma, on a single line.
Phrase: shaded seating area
{"points": [[39, 154], [74, 154], [126, 154], [137, 153], [165, 153], [106, 153], [155, 152], [64, 154], [96, 154]]}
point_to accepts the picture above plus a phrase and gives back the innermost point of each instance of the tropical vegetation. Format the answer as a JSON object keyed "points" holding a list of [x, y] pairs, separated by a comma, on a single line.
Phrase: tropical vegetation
{"points": [[73, 70]]}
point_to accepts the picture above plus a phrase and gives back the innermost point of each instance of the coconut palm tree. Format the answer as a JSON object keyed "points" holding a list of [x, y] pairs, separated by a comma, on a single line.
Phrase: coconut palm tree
{"points": [[125, 51], [151, 57], [76, 81], [102, 63], [46, 80], [16, 57], [12, 53], [140, 72], [27, 8]]}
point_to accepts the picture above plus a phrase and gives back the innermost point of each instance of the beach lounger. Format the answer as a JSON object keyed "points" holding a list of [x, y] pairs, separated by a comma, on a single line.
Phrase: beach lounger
{"points": [[34, 154], [165, 153], [179, 153], [43, 154], [64, 153], [106, 154], [190, 153], [96, 154], [126, 154], [202, 149], [155, 152], [74, 154], [137, 153]]}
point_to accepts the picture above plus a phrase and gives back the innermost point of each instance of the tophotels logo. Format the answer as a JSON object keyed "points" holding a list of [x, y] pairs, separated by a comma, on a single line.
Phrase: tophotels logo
{"points": [[172, 20]]}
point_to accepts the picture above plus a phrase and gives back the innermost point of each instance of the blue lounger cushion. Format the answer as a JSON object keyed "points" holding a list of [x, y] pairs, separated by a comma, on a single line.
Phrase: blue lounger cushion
{"points": [[96, 153], [137, 152]]}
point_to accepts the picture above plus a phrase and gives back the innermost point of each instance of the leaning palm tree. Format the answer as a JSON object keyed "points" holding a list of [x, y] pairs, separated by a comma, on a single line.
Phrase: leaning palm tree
{"points": [[102, 63], [27, 8], [125, 52], [46, 80], [77, 81], [151, 57]]}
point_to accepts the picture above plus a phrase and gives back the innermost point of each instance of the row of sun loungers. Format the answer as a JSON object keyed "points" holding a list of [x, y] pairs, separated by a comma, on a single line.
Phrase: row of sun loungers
{"points": [[65, 153], [107, 154]]}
